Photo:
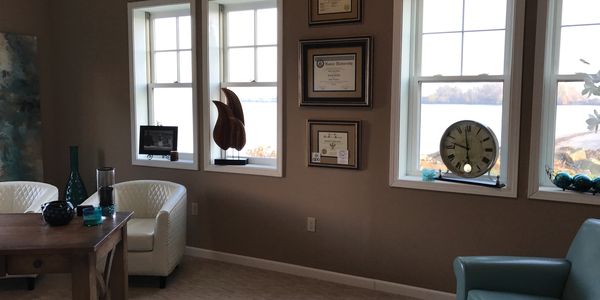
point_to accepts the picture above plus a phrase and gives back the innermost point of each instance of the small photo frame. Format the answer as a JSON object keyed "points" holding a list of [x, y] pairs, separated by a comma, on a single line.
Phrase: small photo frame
{"points": [[334, 11], [158, 140], [335, 72], [333, 143]]}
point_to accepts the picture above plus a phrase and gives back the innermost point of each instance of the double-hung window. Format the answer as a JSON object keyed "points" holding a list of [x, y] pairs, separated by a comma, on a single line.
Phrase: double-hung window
{"points": [[454, 60], [162, 70], [243, 54], [566, 110]]}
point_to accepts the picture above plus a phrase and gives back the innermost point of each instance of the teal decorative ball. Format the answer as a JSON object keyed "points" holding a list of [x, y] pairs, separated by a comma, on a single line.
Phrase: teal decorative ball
{"points": [[562, 180], [582, 183], [596, 185]]}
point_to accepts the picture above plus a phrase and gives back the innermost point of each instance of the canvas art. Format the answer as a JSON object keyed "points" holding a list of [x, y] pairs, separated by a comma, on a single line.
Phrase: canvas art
{"points": [[20, 115]]}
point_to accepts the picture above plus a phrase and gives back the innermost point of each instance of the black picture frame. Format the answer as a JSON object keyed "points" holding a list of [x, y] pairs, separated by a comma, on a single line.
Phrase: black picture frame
{"points": [[318, 85], [334, 11], [157, 140], [350, 136]]}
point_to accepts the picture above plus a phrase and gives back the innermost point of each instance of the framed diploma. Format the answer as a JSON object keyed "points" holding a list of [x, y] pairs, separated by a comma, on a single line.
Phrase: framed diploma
{"points": [[335, 72], [334, 11], [333, 143]]}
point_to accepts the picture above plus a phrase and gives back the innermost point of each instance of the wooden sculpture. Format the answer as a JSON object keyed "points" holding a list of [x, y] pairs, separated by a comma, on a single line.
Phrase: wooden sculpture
{"points": [[229, 129]]}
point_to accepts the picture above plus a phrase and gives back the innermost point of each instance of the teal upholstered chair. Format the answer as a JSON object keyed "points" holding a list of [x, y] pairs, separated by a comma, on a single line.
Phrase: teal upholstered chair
{"points": [[526, 278]]}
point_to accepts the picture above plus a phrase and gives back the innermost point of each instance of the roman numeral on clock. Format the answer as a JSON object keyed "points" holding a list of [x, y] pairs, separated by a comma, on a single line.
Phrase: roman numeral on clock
{"points": [[485, 160], [451, 157]]}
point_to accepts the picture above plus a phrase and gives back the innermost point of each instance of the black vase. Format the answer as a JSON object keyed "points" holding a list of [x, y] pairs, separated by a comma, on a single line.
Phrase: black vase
{"points": [[57, 213], [75, 191]]}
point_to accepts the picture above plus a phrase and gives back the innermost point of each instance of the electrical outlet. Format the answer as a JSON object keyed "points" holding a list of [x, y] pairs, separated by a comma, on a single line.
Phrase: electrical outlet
{"points": [[311, 224], [194, 208]]}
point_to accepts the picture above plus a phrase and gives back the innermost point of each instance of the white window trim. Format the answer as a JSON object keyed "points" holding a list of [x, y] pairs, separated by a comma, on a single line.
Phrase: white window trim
{"points": [[402, 66], [211, 84], [138, 67], [543, 118]]}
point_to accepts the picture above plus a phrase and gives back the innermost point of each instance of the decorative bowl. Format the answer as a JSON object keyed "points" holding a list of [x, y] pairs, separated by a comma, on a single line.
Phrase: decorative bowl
{"points": [[57, 213]]}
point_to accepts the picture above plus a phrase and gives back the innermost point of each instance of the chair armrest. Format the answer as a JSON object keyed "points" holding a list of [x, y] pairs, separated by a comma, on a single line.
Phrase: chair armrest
{"points": [[525, 275], [92, 200], [171, 228]]}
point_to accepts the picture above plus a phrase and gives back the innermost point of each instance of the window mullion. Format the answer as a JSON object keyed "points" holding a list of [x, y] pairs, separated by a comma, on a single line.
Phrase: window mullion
{"points": [[249, 84], [476, 78], [178, 50], [462, 39], [225, 46], [255, 45], [413, 131], [170, 85], [550, 91]]}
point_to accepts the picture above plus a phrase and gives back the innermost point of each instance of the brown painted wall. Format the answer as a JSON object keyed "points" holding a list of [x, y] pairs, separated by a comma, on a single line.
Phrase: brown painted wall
{"points": [[364, 227]]}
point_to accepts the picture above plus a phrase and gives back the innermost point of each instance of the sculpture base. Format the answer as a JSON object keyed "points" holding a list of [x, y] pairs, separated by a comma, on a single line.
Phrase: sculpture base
{"points": [[231, 161], [473, 181]]}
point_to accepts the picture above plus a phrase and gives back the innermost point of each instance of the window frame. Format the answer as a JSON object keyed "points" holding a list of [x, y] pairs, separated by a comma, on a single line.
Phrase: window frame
{"points": [[547, 58], [405, 93], [142, 82], [215, 77]]}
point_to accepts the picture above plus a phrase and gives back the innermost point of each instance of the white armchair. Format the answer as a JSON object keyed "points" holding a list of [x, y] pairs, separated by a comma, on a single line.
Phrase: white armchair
{"points": [[156, 233], [25, 196]]}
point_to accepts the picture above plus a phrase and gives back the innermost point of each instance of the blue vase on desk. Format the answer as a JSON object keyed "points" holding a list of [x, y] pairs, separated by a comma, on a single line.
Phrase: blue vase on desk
{"points": [[75, 191]]}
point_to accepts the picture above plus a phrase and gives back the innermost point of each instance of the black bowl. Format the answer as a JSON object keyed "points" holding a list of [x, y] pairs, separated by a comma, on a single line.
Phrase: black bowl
{"points": [[57, 213]]}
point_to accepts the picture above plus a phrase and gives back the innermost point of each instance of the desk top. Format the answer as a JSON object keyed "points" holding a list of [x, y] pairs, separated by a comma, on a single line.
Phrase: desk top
{"points": [[29, 234]]}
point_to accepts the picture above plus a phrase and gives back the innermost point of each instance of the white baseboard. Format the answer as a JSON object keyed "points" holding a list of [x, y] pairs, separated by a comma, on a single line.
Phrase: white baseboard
{"points": [[351, 280]]}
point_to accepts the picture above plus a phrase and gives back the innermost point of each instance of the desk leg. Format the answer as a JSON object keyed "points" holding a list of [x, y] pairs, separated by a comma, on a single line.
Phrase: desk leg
{"points": [[83, 277], [118, 284]]}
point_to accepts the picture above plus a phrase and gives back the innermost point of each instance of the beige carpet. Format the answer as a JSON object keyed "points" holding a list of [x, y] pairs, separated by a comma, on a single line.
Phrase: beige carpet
{"points": [[205, 279]]}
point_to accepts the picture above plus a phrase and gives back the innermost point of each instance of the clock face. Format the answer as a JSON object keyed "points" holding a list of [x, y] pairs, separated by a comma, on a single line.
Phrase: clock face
{"points": [[468, 148]]}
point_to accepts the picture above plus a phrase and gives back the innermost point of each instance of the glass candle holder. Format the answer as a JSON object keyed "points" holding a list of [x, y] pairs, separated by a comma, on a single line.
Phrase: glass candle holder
{"points": [[105, 176]]}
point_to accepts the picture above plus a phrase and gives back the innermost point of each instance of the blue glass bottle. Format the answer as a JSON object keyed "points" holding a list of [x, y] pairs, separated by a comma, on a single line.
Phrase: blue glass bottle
{"points": [[75, 191]]}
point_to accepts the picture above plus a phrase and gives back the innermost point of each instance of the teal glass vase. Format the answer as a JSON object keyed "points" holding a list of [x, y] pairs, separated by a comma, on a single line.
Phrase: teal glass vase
{"points": [[75, 191]]}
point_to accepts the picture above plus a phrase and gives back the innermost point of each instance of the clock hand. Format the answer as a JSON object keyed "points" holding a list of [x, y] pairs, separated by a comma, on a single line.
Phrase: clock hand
{"points": [[467, 146], [464, 147]]}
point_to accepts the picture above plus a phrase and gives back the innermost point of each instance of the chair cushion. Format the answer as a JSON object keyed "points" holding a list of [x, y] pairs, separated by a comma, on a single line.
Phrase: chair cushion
{"points": [[140, 234], [491, 295]]}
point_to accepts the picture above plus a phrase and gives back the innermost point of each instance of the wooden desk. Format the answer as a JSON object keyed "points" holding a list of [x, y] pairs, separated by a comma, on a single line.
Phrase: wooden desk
{"points": [[29, 246]]}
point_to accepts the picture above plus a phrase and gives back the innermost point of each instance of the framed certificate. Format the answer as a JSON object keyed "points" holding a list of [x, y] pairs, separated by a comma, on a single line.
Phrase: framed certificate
{"points": [[333, 143], [334, 11], [335, 72]]}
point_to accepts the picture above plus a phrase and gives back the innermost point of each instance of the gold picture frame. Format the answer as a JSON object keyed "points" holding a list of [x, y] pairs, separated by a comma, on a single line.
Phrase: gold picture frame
{"points": [[335, 72], [333, 143], [334, 11]]}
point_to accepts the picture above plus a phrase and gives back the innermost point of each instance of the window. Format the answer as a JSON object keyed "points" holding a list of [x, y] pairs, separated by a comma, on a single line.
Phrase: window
{"points": [[243, 55], [162, 70], [567, 139], [455, 60]]}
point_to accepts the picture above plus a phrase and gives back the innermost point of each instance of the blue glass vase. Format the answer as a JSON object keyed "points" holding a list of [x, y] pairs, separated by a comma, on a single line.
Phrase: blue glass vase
{"points": [[75, 191]]}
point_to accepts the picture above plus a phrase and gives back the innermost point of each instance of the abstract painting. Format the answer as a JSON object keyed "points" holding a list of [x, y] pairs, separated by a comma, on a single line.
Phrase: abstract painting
{"points": [[20, 115]]}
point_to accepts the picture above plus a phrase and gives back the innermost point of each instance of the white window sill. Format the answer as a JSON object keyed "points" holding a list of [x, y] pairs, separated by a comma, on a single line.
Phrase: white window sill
{"points": [[415, 182], [557, 194], [159, 162], [249, 169]]}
